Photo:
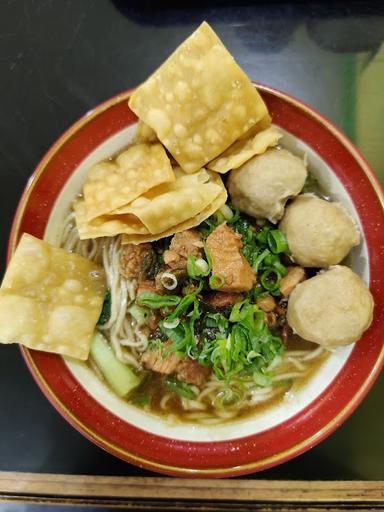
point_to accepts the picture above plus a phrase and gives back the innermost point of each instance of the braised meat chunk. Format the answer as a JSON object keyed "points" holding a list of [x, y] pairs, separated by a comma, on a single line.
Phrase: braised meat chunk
{"points": [[146, 286], [221, 300], [266, 303], [225, 246], [156, 361], [192, 372], [185, 369], [182, 244], [134, 259]]}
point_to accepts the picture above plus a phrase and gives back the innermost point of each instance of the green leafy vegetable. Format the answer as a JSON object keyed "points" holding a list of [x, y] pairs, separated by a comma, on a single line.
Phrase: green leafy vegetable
{"points": [[118, 375], [181, 388], [155, 301], [105, 314]]}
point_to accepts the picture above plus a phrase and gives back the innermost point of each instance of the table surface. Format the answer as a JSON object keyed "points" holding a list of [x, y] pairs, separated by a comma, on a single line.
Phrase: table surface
{"points": [[59, 59]]}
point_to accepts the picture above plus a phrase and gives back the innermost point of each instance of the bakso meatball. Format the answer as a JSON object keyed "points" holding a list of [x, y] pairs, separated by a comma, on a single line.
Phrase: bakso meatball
{"points": [[333, 308], [262, 186], [319, 233]]}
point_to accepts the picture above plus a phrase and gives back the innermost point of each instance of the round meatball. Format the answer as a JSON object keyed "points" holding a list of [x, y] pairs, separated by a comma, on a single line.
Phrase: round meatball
{"points": [[319, 233], [333, 308], [262, 186]]}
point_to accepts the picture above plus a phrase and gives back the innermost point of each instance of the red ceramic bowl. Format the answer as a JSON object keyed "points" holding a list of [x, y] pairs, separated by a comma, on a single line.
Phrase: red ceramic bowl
{"points": [[257, 443]]}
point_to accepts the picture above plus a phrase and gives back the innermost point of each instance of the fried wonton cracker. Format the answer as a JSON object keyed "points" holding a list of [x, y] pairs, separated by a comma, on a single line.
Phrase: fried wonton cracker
{"points": [[171, 208], [199, 101], [144, 134], [113, 184], [243, 150], [106, 225], [216, 203], [50, 299], [263, 124], [159, 209]]}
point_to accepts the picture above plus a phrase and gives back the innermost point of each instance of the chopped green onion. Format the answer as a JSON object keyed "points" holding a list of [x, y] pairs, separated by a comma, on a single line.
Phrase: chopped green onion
{"points": [[139, 314], [277, 241], [258, 260], [268, 283], [209, 257], [171, 324], [262, 237], [226, 211], [239, 311], [280, 268], [168, 280], [197, 267], [216, 282], [182, 306], [202, 265], [236, 214], [261, 379], [156, 301], [181, 388]]}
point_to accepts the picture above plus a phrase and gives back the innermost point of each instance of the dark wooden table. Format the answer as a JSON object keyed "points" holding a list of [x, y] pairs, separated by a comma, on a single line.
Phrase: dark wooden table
{"points": [[59, 59]]}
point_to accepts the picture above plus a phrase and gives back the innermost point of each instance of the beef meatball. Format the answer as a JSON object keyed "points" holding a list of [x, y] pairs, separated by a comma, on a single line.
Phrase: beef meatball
{"points": [[333, 308], [319, 233], [262, 186]]}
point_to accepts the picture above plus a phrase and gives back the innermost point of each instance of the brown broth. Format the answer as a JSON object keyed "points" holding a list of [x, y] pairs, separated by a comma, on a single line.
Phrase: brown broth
{"points": [[154, 388]]}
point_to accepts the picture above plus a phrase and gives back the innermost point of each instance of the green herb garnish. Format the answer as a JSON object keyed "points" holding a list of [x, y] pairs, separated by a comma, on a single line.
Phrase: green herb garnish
{"points": [[105, 314], [155, 301], [180, 388]]}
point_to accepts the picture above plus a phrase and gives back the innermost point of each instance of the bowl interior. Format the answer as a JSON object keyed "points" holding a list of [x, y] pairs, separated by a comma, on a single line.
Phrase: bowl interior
{"points": [[295, 400], [277, 434]]}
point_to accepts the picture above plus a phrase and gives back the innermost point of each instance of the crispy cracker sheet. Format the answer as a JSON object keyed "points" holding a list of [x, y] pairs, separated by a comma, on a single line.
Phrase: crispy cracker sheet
{"points": [[50, 299], [199, 101], [243, 150], [113, 184]]}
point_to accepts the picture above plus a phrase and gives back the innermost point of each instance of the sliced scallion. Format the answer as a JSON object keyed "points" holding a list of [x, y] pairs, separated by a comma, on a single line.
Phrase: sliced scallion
{"points": [[216, 282], [227, 212], [197, 267], [277, 241], [155, 301], [258, 260], [181, 388], [139, 314], [270, 279]]}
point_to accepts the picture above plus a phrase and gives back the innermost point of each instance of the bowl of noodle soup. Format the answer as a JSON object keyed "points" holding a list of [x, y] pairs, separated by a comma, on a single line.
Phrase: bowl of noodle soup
{"points": [[312, 391]]}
